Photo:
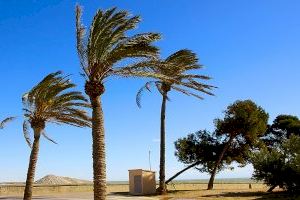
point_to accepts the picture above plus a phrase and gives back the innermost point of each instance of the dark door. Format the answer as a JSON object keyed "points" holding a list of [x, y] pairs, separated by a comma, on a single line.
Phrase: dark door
{"points": [[138, 184]]}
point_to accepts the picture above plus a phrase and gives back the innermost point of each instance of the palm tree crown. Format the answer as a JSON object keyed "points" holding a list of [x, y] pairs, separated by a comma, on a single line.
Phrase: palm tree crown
{"points": [[176, 67], [49, 102], [105, 49]]}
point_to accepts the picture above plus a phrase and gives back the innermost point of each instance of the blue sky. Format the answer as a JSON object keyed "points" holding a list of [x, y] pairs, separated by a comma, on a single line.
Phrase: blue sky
{"points": [[250, 48]]}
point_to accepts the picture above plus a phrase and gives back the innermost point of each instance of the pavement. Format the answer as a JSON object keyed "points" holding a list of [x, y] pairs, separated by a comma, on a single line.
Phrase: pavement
{"points": [[79, 197]]}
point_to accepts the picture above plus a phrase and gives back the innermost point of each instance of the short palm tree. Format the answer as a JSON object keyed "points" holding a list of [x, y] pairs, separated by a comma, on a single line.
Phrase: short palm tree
{"points": [[107, 51], [5, 121], [176, 67], [50, 101]]}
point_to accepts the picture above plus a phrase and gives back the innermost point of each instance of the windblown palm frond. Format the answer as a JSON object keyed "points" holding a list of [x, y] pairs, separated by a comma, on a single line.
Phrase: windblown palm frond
{"points": [[176, 67], [106, 44], [5, 121], [50, 101]]}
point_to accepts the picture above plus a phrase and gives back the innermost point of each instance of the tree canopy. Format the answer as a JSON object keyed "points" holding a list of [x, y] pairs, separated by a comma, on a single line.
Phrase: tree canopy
{"points": [[279, 166], [202, 147], [282, 128], [280, 155], [244, 121]]}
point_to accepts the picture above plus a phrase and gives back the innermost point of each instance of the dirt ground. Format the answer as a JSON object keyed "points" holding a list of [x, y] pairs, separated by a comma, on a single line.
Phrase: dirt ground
{"points": [[176, 192]]}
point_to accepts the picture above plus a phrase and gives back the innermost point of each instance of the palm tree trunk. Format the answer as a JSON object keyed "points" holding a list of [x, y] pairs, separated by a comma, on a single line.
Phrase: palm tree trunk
{"points": [[180, 172], [162, 174], [99, 165], [213, 173], [32, 165]]}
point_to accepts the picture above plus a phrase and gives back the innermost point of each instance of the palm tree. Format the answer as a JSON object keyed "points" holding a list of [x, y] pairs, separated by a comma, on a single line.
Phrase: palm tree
{"points": [[5, 121], [47, 102], [176, 67], [107, 51]]}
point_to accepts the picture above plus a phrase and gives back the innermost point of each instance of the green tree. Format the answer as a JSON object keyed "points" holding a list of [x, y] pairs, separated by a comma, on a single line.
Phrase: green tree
{"points": [[106, 51], [278, 133], [177, 66], [279, 166], [282, 128], [5, 121], [49, 101], [244, 122], [202, 149], [199, 150]]}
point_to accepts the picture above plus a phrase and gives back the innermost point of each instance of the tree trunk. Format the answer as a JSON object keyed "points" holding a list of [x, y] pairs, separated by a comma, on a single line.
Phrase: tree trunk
{"points": [[32, 164], [180, 172], [272, 188], [213, 173], [99, 166], [162, 174]]}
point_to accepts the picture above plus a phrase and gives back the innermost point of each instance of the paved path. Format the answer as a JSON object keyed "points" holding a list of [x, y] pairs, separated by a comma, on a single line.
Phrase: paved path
{"points": [[80, 197]]}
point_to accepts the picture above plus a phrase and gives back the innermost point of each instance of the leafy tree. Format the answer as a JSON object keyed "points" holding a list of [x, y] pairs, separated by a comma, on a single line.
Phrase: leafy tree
{"points": [[202, 149], [282, 128], [49, 101], [177, 67], [244, 122], [199, 150], [275, 139], [279, 166], [5, 121], [106, 51]]}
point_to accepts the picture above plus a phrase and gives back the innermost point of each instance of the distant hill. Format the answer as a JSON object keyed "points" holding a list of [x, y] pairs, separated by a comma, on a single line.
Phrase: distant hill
{"points": [[60, 180]]}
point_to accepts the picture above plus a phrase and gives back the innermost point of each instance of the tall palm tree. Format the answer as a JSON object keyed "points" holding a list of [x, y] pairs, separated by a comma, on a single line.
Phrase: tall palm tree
{"points": [[176, 67], [5, 121], [107, 51], [50, 101]]}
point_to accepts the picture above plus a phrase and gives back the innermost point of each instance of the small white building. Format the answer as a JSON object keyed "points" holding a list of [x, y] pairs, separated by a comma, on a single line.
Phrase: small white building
{"points": [[142, 182]]}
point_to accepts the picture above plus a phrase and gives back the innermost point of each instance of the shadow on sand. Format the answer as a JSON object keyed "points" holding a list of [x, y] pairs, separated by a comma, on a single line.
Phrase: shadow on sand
{"points": [[126, 194]]}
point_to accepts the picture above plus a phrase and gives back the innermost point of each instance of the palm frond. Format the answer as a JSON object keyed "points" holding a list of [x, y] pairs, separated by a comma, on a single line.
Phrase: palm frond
{"points": [[137, 46], [26, 133], [147, 87], [196, 76], [47, 137], [183, 57], [5, 121], [81, 43], [158, 85]]}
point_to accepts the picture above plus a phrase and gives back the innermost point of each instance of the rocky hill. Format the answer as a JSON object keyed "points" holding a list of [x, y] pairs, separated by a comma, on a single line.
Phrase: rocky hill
{"points": [[60, 180]]}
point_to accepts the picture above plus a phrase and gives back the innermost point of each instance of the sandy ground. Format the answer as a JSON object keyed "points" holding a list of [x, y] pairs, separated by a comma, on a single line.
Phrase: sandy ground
{"points": [[80, 196], [177, 192]]}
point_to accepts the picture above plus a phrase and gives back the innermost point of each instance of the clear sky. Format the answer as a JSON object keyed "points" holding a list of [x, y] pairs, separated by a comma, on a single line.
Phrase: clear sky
{"points": [[250, 48]]}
